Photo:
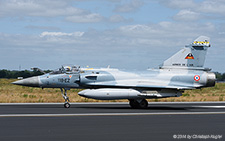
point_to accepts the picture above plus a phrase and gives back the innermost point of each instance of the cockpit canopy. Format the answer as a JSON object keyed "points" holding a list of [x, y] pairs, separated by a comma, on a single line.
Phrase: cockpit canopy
{"points": [[68, 69]]}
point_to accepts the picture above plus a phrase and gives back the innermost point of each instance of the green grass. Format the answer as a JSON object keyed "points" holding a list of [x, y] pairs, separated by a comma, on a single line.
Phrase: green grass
{"points": [[10, 93]]}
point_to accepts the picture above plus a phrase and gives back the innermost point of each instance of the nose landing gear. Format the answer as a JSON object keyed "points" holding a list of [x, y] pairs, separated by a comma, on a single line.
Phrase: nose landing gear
{"points": [[66, 104]]}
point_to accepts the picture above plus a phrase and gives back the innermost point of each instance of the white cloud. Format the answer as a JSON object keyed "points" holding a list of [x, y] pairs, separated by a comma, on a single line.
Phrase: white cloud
{"points": [[117, 18], [85, 18], [124, 37], [187, 15], [77, 34], [131, 6], [61, 38], [27, 9], [139, 31], [165, 33], [35, 27], [209, 6], [48, 8], [179, 4], [192, 10], [37, 8], [167, 30]]}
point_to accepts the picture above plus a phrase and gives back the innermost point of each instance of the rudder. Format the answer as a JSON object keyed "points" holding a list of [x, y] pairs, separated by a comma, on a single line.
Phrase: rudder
{"points": [[191, 56]]}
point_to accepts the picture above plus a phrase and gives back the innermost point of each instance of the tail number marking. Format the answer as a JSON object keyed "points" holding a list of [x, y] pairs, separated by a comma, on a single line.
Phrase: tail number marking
{"points": [[64, 80]]}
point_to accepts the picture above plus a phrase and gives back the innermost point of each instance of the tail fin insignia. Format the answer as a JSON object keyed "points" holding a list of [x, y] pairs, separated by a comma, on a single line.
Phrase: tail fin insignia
{"points": [[189, 56]]}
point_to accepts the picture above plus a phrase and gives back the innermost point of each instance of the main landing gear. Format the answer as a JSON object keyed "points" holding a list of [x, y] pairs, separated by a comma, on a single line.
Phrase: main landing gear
{"points": [[138, 103], [66, 104]]}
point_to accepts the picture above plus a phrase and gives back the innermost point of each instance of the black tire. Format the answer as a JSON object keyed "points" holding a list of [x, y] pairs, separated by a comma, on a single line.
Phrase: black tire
{"points": [[133, 103], [67, 105], [143, 104]]}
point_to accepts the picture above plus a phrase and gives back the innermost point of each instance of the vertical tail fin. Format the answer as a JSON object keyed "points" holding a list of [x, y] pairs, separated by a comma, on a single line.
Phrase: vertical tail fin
{"points": [[191, 56]]}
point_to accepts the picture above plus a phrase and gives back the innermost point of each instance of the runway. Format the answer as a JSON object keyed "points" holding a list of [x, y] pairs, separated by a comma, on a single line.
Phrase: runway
{"points": [[112, 121]]}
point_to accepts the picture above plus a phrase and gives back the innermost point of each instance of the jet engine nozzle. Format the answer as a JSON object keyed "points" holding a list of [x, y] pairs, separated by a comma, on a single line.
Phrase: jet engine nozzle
{"points": [[211, 79]]}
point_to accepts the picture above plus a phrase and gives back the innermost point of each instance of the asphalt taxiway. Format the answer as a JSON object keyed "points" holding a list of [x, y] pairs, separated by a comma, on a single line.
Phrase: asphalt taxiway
{"points": [[112, 121]]}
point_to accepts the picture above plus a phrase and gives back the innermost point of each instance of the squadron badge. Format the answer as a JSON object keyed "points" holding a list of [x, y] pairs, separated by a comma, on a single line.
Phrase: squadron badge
{"points": [[189, 56]]}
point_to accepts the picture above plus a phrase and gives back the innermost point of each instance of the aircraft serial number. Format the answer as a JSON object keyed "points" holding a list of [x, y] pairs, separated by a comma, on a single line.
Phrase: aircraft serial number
{"points": [[64, 80], [189, 65]]}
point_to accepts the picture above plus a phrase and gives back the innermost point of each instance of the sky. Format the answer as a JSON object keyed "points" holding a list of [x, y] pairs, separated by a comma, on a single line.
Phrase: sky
{"points": [[125, 34]]}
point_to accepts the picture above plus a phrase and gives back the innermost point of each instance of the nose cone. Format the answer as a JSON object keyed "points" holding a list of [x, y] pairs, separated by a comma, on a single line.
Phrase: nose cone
{"points": [[31, 82]]}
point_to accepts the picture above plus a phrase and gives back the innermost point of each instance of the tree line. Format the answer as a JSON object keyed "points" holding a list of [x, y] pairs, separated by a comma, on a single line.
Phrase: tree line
{"points": [[220, 76], [26, 73]]}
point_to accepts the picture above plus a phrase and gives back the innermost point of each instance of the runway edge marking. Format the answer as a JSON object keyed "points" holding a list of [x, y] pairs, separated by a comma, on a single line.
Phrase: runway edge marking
{"points": [[210, 106], [86, 103], [108, 114]]}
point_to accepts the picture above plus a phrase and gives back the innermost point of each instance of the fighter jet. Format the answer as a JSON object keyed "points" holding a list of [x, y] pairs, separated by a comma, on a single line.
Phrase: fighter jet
{"points": [[182, 71]]}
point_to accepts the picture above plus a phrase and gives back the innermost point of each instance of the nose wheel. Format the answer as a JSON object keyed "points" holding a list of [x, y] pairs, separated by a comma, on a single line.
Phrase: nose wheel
{"points": [[66, 104]]}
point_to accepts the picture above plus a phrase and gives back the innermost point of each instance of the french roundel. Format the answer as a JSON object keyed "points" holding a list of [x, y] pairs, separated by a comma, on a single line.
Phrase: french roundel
{"points": [[196, 77]]}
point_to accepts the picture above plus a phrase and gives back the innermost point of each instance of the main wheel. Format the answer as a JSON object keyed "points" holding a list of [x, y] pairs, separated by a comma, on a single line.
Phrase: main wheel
{"points": [[136, 104], [143, 104], [133, 103], [67, 105]]}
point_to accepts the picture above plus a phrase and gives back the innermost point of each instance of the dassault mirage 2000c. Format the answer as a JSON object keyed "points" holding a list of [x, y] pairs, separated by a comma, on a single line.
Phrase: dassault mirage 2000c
{"points": [[182, 71]]}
